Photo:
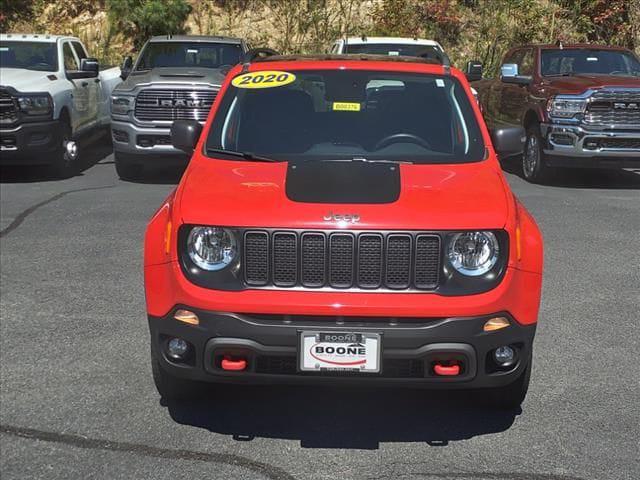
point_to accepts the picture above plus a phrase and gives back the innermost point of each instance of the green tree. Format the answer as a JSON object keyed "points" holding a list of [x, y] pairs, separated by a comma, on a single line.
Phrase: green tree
{"points": [[141, 19]]}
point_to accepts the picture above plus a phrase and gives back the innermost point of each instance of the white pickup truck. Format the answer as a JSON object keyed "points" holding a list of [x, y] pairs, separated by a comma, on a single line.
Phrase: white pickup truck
{"points": [[52, 94]]}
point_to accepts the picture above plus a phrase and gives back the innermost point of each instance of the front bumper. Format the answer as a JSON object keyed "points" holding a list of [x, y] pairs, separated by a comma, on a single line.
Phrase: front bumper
{"points": [[569, 145], [269, 343], [21, 144], [130, 138]]}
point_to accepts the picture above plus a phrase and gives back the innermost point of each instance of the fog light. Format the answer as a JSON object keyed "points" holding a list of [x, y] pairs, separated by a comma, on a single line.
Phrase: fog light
{"points": [[177, 348], [504, 356]]}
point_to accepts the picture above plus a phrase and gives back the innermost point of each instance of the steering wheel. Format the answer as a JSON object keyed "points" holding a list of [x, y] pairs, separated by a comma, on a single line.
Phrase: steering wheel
{"points": [[402, 137]]}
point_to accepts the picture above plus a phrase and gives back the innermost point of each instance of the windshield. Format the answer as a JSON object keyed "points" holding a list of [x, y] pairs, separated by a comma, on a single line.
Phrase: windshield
{"points": [[183, 54], [29, 55], [347, 114], [588, 61], [412, 50]]}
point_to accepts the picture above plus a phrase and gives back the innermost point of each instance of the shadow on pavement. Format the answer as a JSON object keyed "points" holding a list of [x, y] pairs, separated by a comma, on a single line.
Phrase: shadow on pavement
{"points": [[584, 178], [341, 418], [91, 155]]}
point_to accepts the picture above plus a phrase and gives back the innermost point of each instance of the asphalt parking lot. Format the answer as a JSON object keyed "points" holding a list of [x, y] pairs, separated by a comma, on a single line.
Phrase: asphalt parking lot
{"points": [[77, 399]]}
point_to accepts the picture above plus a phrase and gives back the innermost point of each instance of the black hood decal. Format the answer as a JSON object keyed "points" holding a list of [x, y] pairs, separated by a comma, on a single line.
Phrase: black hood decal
{"points": [[343, 182]]}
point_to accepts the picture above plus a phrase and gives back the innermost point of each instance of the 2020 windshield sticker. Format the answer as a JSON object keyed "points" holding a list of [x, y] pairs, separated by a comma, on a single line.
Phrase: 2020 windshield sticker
{"points": [[263, 79]]}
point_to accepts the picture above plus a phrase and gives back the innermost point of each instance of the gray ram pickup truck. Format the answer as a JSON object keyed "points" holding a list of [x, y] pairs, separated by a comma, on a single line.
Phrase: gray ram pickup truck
{"points": [[174, 78]]}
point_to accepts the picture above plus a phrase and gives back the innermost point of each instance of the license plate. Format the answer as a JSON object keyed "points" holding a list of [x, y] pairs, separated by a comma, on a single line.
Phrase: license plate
{"points": [[333, 351]]}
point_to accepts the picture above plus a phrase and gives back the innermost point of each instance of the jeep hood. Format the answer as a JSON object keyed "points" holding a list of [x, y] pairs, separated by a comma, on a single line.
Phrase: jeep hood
{"points": [[25, 81], [173, 75], [577, 84], [254, 194]]}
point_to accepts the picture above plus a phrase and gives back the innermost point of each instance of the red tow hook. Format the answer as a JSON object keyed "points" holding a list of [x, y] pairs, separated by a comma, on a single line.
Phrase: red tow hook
{"points": [[233, 365], [446, 370]]}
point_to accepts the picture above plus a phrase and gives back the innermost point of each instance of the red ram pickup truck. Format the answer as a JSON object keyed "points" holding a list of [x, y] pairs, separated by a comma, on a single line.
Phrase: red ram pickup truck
{"points": [[344, 219], [580, 106]]}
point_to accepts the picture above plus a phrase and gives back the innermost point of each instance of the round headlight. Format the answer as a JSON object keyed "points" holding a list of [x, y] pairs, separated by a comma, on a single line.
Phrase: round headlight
{"points": [[212, 248], [473, 253]]}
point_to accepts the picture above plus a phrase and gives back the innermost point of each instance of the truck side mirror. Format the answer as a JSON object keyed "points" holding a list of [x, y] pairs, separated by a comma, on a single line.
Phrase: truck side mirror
{"points": [[508, 141], [127, 66], [473, 71], [509, 74], [185, 135], [90, 65]]}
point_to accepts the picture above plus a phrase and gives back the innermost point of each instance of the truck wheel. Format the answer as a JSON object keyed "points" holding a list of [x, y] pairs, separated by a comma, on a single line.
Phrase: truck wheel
{"points": [[126, 167], [534, 168], [65, 162], [510, 396], [173, 388]]}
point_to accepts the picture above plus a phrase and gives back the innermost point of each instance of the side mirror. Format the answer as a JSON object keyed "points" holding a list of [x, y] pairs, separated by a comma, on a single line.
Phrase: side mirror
{"points": [[90, 65], [509, 74], [473, 71], [125, 69], [508, 141], [185, 135]]}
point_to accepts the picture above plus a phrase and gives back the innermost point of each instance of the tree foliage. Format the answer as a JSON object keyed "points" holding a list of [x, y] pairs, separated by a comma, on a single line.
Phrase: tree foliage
{"points": [[141, 19]]}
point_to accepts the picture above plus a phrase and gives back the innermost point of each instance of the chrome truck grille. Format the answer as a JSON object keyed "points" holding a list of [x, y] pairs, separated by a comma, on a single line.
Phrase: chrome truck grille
{"points": [[8, 109], [170, 105], [614, 107], [341, 260]]}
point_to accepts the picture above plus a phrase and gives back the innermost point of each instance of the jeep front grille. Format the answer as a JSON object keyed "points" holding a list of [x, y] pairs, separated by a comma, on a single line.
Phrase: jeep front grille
{"points": [[619, 107], [341, 260], [8, 110], [170, 105]]}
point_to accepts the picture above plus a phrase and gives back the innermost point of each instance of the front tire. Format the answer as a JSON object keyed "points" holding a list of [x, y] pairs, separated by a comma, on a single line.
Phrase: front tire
{"points": [[126, 167], [172, 388], [534, 168], [66, 156]]}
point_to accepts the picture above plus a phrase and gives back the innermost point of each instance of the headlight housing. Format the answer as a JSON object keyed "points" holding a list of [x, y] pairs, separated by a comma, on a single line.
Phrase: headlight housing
{"points": [[122, 104], [566, 107], [212, 248], [35, 104], [473, 253]]}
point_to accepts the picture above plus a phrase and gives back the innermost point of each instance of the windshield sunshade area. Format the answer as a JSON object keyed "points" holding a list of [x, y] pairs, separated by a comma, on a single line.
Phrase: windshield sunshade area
{"points": [[188, 55], [346, 115], [588, 62], [39, 56]]}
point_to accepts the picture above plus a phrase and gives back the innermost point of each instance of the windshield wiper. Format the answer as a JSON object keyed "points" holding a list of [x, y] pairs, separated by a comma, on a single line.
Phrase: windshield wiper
{"points": [[366, 160], [245, 155]]}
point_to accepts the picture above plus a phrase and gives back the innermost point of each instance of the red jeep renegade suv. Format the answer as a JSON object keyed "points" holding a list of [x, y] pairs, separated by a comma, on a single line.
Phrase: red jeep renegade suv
{"points": [[344, 220]]}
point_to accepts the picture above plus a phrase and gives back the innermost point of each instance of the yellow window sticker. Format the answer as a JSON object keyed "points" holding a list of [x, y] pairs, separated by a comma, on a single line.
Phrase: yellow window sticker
{"points": [[346, 107], [263, 79]]}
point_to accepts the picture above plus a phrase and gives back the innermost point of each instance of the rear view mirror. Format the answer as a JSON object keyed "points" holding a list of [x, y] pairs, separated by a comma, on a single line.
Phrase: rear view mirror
{"points": [[508, 141], [185, 135], [127, 66], [473, 71]]}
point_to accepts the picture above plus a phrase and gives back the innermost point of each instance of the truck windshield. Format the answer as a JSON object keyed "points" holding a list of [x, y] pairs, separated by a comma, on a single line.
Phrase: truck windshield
{"points": [[424, 51], [188, 55], [348, 114], [588, 61], [29, 55]]}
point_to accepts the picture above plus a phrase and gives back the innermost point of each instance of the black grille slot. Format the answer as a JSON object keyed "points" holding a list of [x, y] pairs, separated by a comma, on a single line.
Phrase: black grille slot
{"points": [[256, 254], [341, 251], [427, 261], [398, 261], [8, 109], [369, 260], [285, 259], [313, 259]]}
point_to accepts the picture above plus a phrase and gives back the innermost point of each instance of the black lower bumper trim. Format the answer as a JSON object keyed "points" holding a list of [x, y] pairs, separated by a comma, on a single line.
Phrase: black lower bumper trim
{"points": [[409, 350], [593, 162], [20, 144]]}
